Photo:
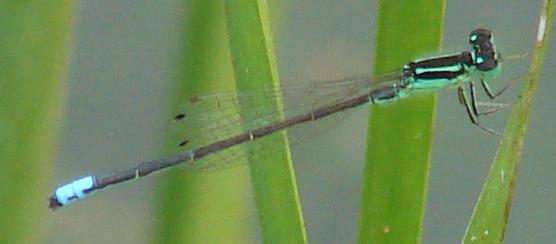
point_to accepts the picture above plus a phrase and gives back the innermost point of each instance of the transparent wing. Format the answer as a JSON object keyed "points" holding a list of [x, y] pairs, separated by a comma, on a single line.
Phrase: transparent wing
{"points": [[208, 118]]}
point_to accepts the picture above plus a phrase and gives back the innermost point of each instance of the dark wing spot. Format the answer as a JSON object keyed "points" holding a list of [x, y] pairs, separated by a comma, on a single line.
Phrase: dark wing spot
{"points": [[193, 99], [183, 143], [179, 116]]}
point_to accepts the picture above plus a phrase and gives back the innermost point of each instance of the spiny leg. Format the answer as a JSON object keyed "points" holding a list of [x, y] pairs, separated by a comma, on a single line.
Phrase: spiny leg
{"points": [[475, 104], [463, 99], [472, 92], [472, 117], [488, 91]]}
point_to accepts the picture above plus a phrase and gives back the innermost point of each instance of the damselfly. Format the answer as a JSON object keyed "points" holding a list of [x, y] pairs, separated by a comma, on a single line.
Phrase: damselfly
{"points": [[481, 62]]}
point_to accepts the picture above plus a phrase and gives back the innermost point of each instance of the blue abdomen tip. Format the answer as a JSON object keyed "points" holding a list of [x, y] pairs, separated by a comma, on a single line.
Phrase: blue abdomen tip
{"points": [[77, 189]]}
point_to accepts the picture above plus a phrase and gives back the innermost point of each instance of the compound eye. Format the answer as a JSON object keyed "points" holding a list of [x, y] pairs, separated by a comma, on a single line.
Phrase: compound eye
{"points": [[473, 38], [487, 65], [479, 35]]}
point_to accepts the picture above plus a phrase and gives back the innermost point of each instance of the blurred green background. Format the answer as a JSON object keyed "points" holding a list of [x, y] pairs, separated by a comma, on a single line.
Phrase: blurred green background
{"points": [[122, 63]]}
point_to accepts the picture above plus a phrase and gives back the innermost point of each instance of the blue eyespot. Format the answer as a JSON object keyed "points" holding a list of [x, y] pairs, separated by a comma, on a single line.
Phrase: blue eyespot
{"points": [[473, 38], [480, 60]]}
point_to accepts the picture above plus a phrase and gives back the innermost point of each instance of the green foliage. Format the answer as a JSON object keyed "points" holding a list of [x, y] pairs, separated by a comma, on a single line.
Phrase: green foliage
{"points": [[490, 217], [272, 177], [400, 134], [34, 45], [200, 207]]}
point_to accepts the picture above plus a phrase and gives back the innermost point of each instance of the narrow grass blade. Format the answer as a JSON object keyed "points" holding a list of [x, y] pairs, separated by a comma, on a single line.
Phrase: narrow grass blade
{"points": [[273, 176], [490, 216], [35, 39], [201, 207], [400, 134]]}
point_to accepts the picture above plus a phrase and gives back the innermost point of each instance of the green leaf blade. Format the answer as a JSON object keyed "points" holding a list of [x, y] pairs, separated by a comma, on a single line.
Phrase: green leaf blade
{"points": [[201, 207], [272, 177], [491, 213], [35, 40], [400, 134]]}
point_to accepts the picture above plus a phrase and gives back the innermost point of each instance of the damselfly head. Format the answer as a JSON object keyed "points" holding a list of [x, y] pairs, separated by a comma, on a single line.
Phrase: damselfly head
{"points": [[479, 36], [484, 54]]}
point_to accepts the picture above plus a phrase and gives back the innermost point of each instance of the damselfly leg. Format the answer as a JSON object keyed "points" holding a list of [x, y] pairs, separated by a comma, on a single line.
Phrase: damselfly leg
{"points": [[472, 112]]}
